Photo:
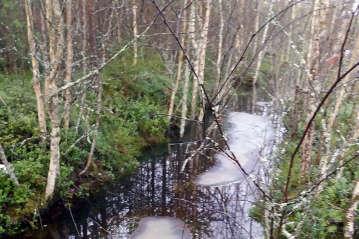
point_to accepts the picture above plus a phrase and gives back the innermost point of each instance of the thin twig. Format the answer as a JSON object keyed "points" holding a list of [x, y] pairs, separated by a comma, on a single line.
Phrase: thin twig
{"points": [[73, 220]]}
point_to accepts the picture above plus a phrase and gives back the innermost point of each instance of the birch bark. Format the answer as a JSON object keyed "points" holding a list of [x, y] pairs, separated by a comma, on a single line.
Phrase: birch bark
{"points": [[180, 63], [312, 84], [135, 31], [260, 56], [202, 54], [41, 114], [56, 50], [8, 166], [68, 63], [350, 214]]}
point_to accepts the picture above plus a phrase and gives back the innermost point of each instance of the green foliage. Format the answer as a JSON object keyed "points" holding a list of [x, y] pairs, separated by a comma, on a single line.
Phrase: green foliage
{"points": [[16, 202], [73, 153], [327, 213], [257, 211], [134, 102], [324, 215], [265, 71], [13, 41], [118, 144], [147, 79], [65, 182], [136, 98], [31, 172]]}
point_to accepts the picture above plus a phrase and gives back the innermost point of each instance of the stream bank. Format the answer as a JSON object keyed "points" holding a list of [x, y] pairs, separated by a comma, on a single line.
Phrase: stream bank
{"points": [[159, 193]]}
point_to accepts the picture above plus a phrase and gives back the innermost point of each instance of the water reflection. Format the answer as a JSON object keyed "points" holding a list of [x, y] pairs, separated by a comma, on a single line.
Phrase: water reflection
{"points": [[160, 188]]}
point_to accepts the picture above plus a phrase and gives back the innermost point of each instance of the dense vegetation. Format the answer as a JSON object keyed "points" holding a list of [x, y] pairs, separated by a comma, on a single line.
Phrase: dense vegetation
{"points": [[131, 120], [324, 217], [87, 85]]}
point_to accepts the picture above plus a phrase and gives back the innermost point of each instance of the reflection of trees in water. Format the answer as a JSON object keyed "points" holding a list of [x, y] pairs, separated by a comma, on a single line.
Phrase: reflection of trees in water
{"points": [[230, 206], [159, 188]]}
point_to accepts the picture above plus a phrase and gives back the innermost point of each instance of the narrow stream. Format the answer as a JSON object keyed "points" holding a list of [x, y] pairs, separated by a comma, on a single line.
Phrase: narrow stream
{"points": [[210, 199]]}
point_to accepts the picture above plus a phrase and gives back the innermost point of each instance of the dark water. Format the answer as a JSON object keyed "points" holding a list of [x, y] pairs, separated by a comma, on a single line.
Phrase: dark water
{"points": [[158, 188]]}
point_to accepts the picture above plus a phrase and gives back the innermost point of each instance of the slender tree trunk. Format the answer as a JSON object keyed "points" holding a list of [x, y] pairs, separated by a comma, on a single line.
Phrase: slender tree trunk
{"points": [[84, 44], [193, 40], [324, 160], [180, 63], [8, 166], [350, 214], [260, 57], [313, 84], [290, 33], [44, 43], [56, 43], [356, 119], [90, 161], [195, 45], [256, 24], [84, 60], [220, 44], [90, 158], [184, 100], [135, 31], [119, 21], [41, 114], [91, 32], [202, 54], [341, 96], [68, 63]]}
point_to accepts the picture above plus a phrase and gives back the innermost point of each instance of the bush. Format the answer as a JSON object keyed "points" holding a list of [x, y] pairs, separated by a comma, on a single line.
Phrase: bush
{"points": [[133, 96]]}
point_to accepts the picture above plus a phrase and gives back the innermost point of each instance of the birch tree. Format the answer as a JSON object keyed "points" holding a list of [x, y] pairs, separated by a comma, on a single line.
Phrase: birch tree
{"points": [[342, 92], [313, 83], [180, 62], [69, 62], [201, 60], [8, 166], [84, 65], [41, 114], [56, 51], [220, 43], [260, 55], [350, 213], [135, 31], [193, 25]]}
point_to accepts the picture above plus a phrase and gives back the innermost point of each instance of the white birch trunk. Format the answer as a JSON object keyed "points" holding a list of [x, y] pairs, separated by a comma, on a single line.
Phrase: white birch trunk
{"points": [[202, 54], [179, 65], [260, 58], [350, 214], [220, 44], [8, 166], [184, 100], [84, 60], [41, 114], [135, 31], [56, 45], [68, 63], [356, 120], [318, 24], [195, 44], [342, 93], [90, 161]]}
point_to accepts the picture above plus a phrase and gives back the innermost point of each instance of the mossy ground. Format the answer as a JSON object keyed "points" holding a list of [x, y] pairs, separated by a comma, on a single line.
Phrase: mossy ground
{"points": [[134, 96]]}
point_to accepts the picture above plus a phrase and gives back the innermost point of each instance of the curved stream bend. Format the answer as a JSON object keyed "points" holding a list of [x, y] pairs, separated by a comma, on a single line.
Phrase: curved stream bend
{"points": [[250, 138]]}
